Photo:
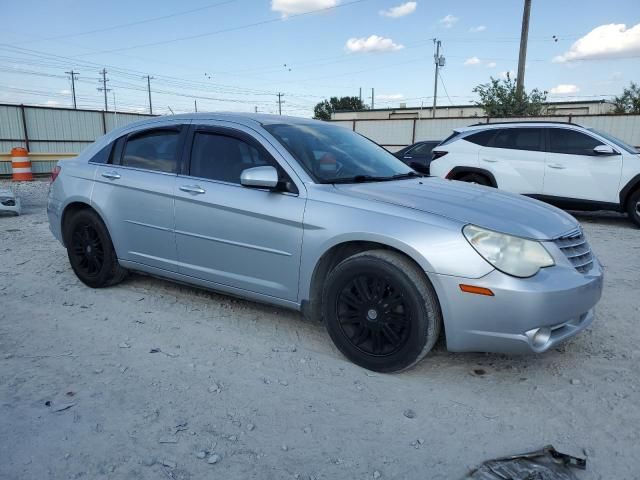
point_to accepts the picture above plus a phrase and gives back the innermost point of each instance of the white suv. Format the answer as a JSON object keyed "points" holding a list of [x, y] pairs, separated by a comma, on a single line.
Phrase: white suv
{"points": [[565, 164]]}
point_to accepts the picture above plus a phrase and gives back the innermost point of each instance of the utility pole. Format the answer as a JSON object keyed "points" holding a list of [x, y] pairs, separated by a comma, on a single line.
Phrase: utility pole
{"points": [[149, 92], [436, 59], [372, 97], [280, 95], [522, 58], [104, 88], [73, 87], [195, 105], [360, 95]]}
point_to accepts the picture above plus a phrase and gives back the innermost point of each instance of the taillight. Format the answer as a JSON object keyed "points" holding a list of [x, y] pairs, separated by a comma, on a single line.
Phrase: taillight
{"points": [[437, 154], [55, 172]]}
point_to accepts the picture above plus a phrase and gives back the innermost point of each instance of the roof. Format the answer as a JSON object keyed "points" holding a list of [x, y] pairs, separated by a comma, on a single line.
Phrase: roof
{"points": [[240, 117], [528, 123], [471, 105]]}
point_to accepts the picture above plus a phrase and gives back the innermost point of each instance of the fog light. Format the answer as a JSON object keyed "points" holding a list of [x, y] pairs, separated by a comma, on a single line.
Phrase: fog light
{"points": [[541, 337]]}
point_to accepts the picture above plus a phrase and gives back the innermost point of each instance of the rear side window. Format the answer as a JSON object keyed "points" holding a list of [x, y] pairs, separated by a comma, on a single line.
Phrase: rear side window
{"points": [[221, 157], [481, 138], [103, 155], [423, 149], [156, 150], [570, 142], [530, 139]]}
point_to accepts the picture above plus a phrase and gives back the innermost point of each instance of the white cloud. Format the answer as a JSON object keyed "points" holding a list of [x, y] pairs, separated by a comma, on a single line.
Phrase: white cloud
{"points": [[392, 97], [564, 88], [293, 7], [401, 10], [373, 43], [472, 61], [605, 41], [65, 92], [52, 103], [491, 65], [616, 76], [448, 21], [479, 28]]}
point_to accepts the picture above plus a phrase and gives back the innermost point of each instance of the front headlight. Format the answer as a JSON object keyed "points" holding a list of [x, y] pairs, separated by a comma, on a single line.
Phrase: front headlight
{"points": [[512, 255]]}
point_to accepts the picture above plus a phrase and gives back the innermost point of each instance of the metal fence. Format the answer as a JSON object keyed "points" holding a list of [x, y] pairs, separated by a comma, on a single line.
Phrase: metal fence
{"points": [[49, 132], [394, 134]]}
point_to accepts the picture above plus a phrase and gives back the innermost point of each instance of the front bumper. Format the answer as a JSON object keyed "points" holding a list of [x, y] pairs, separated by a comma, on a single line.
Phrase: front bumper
{"points": [[558, 299]]}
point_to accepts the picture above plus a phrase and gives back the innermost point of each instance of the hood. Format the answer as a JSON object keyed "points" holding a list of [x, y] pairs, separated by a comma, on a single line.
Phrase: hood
{"points": [[482, 206]]}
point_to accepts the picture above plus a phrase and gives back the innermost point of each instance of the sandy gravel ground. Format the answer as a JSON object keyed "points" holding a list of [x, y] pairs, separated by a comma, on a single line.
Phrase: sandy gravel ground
{"points": [[241, 390]]}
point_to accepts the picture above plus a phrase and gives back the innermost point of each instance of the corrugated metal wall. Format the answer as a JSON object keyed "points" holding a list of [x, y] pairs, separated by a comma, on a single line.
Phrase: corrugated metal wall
{"points": [[56, 130], [395, 134]]}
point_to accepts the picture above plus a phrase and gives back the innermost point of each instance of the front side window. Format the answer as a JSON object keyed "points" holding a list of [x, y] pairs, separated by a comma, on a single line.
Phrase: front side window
{"points": [[222, 157], [156, 150], [519, 139], [331, 154], [570, 142]]}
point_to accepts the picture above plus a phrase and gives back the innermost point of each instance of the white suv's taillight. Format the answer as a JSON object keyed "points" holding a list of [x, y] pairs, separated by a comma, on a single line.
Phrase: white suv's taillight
{"points": [[55, 172], [435, 154]]}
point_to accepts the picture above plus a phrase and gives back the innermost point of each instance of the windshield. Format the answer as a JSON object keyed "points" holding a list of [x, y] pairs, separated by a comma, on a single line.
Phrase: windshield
{"points": [[332, 154], [615, 140]]}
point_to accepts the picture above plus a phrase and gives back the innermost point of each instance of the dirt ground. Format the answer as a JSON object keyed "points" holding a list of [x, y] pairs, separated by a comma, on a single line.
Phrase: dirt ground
{"points": [[241, 390]]}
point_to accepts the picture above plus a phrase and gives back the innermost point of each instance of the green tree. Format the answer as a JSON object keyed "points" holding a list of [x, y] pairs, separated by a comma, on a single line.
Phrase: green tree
{"points": [[324, 109], [629, 101], [499, 98]]}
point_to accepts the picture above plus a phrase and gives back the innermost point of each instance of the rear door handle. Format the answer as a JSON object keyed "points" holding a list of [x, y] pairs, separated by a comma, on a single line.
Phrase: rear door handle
{"points": [[111, 175], [408, 156], [195, 189], [557, 166], [490, 160]]}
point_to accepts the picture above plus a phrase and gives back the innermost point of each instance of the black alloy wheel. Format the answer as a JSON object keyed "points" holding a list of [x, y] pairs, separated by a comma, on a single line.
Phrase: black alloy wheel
{"points": [[373, 314], [87, 250]]}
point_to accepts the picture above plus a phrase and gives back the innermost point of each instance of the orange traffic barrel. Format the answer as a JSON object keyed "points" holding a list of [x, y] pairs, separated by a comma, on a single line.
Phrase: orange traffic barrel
{"points": [[20, 164]]}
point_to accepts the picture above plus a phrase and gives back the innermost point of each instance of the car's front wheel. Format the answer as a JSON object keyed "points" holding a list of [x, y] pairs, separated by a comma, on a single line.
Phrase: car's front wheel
{"points": [[381, 311], [90, 250], [633, 207]]}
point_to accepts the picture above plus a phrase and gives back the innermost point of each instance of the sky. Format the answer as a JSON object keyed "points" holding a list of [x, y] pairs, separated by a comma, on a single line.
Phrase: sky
{"points": [[237, 55]]}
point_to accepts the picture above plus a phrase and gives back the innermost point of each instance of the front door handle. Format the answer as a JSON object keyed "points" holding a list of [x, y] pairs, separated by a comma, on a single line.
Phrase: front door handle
{"points": [[111, 175], [490, 160], [557, 166], [195, 189]]}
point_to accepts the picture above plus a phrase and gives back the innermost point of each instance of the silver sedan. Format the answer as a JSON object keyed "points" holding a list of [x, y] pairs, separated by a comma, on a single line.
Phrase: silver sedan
{"points": [[312, 216]]}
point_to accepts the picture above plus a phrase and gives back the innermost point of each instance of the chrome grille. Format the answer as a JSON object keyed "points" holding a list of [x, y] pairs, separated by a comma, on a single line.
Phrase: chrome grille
{"points": [[577, 250]]}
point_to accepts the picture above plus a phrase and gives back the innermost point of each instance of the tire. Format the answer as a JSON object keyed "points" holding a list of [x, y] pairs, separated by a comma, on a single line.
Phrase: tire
{"points": [[475, 178], [633, 207], [356, 309], [90, 251]]}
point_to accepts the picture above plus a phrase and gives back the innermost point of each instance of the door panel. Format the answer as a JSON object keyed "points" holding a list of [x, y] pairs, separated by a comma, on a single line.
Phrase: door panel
{"points": [[572, 171], [134, 192], [138, 207], [233, 235], [516, 157]]}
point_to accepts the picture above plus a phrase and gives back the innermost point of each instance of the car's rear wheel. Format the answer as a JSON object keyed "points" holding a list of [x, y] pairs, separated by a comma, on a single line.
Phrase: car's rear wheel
{"points": [[381, 311], [475, 178], [90, 250], [633, 207]]}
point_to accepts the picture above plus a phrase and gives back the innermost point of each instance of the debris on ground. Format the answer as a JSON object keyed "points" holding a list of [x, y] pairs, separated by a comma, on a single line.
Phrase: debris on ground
{"points": [[544, 464], [409, 413]]}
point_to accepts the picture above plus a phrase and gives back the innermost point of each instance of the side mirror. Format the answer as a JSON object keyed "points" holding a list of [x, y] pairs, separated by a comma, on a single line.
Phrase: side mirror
{"points": [[604, 150], [259, 177]]}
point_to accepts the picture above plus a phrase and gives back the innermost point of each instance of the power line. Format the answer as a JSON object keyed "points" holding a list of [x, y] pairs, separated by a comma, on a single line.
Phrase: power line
{"points": [[224, 30], [130, 24]]}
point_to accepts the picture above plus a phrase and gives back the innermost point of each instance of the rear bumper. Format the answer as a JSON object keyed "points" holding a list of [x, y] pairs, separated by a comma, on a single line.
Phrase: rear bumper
{"points": [[54, 213], [557, 303]]}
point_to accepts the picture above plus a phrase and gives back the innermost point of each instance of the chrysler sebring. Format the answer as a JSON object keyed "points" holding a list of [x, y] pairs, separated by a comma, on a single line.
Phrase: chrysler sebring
{"points": [[313, 216]]}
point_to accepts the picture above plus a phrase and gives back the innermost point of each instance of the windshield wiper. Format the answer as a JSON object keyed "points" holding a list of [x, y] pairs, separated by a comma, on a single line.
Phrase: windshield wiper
{"points": [[371, 178]]}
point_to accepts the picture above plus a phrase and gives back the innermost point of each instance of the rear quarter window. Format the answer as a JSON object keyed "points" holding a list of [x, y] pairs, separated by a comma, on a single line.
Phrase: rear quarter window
{"points": [[103, 155], [481, 138]]}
